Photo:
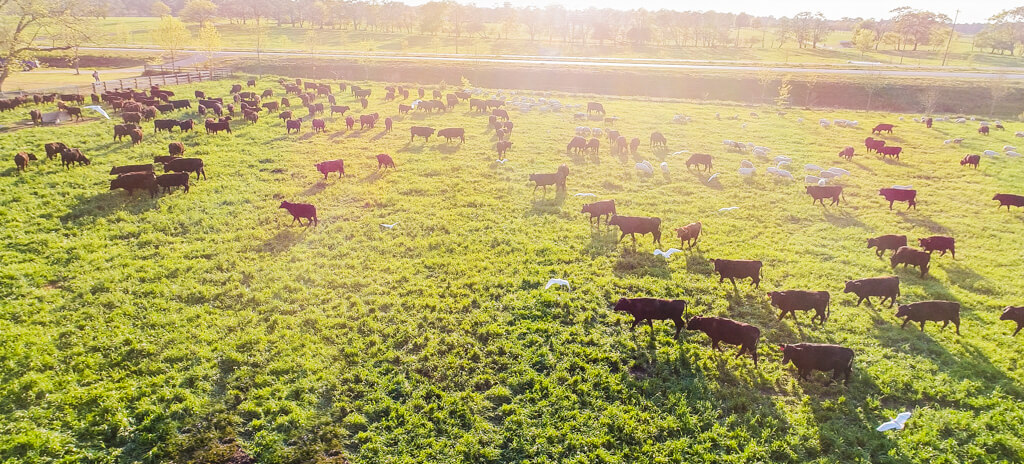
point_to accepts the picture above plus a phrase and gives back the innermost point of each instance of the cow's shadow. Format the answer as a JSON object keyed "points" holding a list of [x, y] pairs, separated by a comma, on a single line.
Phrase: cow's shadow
{"points": [[379, 135], [842, 218], [108, 203], [283, 240], [447, 148], [316, 188], [639, 263], [374, 176], [924, 222], [410, 148]]}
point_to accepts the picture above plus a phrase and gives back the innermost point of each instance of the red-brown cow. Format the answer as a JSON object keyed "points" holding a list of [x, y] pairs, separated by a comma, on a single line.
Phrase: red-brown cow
{"points": [[938, 311], [720, 329], [887, 242], [1015, 314], [300, 211], [938, 243], [808, 357], [733, 269], [650, 309], [633, 225], [791, 301], [689, 234], [912, 257], [327, 167], [597, 209]]}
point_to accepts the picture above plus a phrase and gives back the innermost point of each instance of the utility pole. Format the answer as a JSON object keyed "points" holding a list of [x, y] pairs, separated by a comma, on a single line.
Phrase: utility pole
{"points": [[952, 31]]}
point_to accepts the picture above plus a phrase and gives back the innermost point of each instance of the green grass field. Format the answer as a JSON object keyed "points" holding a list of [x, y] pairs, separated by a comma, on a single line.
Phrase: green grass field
{"points": [[150, 330], [121, 32]]}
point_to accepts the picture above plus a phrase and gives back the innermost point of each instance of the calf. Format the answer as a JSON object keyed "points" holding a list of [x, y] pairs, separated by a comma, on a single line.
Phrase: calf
{"points": [[453, 132], [733, 269], [500, 114], [404, 109], [420, 131], [21, 160], [885, 287], [846, 153], [135, 181], [164, 124], [1015, 314], [55, 148], [186, 125], [293, 124], [595, 106], [175, 148], [972, 160], [319, 125], [938, 243], [634, 145], [251, 116], [385, 161], [689, 234], [36, 116], [910, 256], [327, 167], [882, 128], [176, 179], [71, 156], [597, 209], [285, 115], [887, 242], [699, 160], [791, 301], [1004, 199], [658, 140], [74, 111], [577, 144], [938, 311], [720, 329], [123, 130], [808, 357], [650, 309], [300, 211], [894, 195], [186, 165], [502, 146], [819, 193], [557, 179], [387, 125], [983, 130], [131, 168]]}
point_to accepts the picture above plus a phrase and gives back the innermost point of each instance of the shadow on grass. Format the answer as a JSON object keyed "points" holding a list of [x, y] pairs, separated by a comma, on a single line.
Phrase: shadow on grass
{"points": [[284, 239], [448, 149], [640, 263], [109, 202], [926, 223], [842, 218]]}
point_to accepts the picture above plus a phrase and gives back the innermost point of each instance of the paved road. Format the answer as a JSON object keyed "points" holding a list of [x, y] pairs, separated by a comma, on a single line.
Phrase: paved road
{"points": [[631, 63]]}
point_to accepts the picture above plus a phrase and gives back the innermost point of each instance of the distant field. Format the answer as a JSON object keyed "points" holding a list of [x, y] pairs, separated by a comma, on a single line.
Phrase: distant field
{"points": [[150, 330], [49, 78], [136, 31]]}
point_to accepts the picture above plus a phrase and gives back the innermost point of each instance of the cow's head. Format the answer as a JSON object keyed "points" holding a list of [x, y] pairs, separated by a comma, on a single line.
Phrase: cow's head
{"points": [[787, 352], [696, 323], [903, 311], [851, 286], [773, 295], [872, 242], [623, 305], [1011, 313]]}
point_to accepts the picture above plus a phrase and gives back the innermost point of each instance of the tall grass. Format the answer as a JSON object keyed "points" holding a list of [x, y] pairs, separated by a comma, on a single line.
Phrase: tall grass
{"points": [[137, 329]]}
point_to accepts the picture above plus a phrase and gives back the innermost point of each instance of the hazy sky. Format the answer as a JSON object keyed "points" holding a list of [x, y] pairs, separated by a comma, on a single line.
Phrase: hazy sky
{"points": [[833, 9]]}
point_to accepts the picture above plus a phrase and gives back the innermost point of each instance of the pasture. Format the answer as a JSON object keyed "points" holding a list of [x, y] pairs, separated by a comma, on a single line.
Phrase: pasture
{"points": [[198, 326]]}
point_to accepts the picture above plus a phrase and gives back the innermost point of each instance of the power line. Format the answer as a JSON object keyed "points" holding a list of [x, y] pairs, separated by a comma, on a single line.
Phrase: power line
{"points": [[952, 31]]}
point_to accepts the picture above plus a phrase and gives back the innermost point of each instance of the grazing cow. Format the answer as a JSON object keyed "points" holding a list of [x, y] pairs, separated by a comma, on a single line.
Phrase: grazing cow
{"points": [[885, 287], [1015, 314], [74, 111], [733, 269], [887, 242], [495, 103], [404, 109], [699, 160], [689, 234], [790, 301], [123, 130], [300, 211], [149, 112], [557, 179], [478, 105], [21, 160], [251, 116], [928, 122], [882, 128], [809, 357], [368, 120], [135, 181], [1004, 199], [452, 101], [362, 93], [235, 88], [136, 136], [251, 83], [597, 209], [186, 165], [350, 122], [384, 160], [502, 146], [131, 168], [267, 93], [213, 127], [500, 134], [390, 96], [577, 144], [613, 135], [820, 192], [934, 310], [200, 94], [595, 106], [846, 153], [499, 113], [364, 103], [164, 108], [420, 131], [890, 151], [291, 124], [164, 124], [175, 148], [894, 195], [387, 125], [658, 140], [983, 130], [339, 109], [71, 156], [131, 117], [327, 167], [272, 106], [594, 145], [186, 125], [910, 256], [451, 133], [286, 103], [37, 116], [285, 115], [720, 329], [972, 160], [651, 309], [621, 145], [319, 125], [634, 145], [938, 243], [180, 104], [55, 148], [873, 145]]}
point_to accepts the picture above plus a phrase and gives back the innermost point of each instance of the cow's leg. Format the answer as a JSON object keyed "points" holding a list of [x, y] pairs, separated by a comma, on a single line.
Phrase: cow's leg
{"points": [[679, 326], [635, 322], [957, 324], [621, 237], [922, 326], [890, 204], [905, 322], [783, 314]]}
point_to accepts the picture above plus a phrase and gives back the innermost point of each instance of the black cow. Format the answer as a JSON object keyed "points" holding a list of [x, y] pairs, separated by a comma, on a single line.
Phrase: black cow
{"points": [[720, 329], [175, 179], [649, 309], [186, 165], [733, 269], [597, 209], [887, 242], [808, 357], [135, 181], [885, 287], [938, 311], [791, 301], [633, 225]]}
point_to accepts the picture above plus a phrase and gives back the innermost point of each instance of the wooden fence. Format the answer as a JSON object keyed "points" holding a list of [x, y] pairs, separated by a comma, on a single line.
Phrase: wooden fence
{"points": [[175, 78]]}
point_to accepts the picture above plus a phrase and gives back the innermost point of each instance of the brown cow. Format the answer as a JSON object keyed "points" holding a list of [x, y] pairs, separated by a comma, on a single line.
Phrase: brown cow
{"points": [[887, 242], [577, 144], [633, 225], [451, 133], [174, 179], [910, 256], [597, 209], [420, 131], [55, 148], [388, 122], [135, 181], [894, 195], [21, 160], [983, 130], [791, 301], [175, 149], [319, 125], [384, 160], [733, 269], [819, 193], [808, 357], [1004, 199], [891, 151], [595, 106], [882, 128], [938, 311], [327, 167], [699, 160], [187, 165], [885, 287], [938, 243], [293, 124], [557, 179], [720, 329], [689, 234], [972, 160], [846, 153], [136, 136], [502, 146], [650, 309], [300, 211], [658, 140], [1015, 314]]}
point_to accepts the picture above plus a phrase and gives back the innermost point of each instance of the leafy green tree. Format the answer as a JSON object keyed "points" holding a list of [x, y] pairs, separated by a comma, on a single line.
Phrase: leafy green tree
{"points": [[172, 35], [26, 20], [209, 40], [159, 9], [864, 40], [199, 11]]}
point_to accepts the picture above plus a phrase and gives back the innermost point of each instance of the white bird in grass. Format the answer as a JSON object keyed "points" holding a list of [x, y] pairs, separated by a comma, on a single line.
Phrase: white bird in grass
{"points": [[389, 226], [903, 187], [896, 423], [664, 167], [731, 208], [584, 195], [712, 178], [502, 162], [562, 282], [98, 110], [812, 167], [665, 254], [747, 171]]}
